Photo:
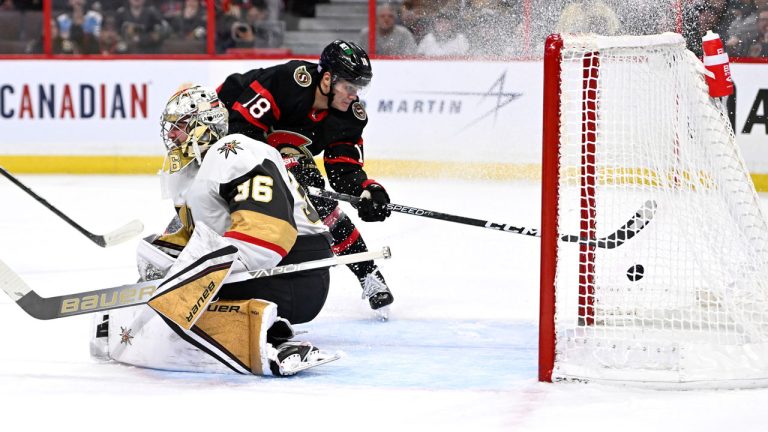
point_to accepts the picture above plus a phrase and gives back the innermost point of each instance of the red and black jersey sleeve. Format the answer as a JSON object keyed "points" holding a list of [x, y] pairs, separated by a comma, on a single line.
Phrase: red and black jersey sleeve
{"points": [[252, 106], [344, 156], [262, 209], [262, 99]]}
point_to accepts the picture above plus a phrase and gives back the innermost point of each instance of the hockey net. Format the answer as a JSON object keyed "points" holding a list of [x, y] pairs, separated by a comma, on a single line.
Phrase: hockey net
{"points": [[628, 120]]}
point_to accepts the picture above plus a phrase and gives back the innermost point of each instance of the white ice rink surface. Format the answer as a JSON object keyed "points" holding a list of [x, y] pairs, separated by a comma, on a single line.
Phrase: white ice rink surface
{"points": [[459, 352]]}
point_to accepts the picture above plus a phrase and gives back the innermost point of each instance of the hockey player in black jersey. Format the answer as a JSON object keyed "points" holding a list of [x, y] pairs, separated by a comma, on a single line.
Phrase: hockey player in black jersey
{"points": [[304, 109]]}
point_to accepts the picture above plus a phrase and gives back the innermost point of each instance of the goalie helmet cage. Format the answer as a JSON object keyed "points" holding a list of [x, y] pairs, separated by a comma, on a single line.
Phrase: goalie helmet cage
{"points": [[685, 302]]}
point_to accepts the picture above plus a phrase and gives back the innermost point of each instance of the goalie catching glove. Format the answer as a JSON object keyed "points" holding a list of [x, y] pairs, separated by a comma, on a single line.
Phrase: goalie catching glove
{"points": [[373, 202]]}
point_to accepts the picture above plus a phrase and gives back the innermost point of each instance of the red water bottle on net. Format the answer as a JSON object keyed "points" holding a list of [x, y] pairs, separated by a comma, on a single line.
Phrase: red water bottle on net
{"points": [[716, 61]]}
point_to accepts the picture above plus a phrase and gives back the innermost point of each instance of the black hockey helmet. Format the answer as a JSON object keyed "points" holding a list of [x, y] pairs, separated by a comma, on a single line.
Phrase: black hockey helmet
{"points": [[346, 60]]}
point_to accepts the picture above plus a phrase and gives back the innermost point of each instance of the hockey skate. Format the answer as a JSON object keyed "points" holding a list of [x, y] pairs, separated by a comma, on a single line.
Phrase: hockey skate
{"points": [[377, 292], [291, 358]]}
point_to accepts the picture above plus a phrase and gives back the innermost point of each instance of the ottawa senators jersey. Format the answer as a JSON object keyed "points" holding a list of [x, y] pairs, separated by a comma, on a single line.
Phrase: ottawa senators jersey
{"points": [[243, 192], [274, 105]]}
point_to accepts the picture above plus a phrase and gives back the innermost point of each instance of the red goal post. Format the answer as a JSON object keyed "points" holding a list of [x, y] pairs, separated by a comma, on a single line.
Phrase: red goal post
{"points": [[685, 302]]}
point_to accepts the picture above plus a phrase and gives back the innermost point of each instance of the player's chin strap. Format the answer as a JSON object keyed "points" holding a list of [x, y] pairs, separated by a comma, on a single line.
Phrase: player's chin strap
{"points": [[330, 93]]}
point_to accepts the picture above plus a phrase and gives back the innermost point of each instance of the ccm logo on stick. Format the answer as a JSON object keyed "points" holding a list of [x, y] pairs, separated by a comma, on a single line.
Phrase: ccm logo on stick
{"points": [[507, 227]]}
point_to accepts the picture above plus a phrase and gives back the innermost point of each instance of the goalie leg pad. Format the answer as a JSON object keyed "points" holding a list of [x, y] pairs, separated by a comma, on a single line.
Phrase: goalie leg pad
{"points": [[237, 332], [199, 274], [138, 336], [230, 337]]}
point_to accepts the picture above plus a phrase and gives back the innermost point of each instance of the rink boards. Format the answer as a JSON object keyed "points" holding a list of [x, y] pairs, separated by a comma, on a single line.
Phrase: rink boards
{"points": [[426, 118]]}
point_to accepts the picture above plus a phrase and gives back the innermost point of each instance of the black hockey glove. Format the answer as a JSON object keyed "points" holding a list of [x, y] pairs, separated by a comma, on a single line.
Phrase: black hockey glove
{"points": [[373, 203]]}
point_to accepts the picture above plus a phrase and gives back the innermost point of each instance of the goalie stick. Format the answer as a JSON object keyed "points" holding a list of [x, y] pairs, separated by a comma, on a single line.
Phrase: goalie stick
{"points": [[46, 308], [124, 233], [634, 225]]}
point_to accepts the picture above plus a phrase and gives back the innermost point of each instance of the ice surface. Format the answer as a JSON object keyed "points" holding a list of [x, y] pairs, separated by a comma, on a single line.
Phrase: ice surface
{"points": [[459, 351]]}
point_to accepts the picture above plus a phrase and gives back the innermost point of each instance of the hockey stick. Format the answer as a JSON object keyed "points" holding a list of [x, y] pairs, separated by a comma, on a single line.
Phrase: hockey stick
{"points": [[46, 308], [634, 225], [125, 232]]}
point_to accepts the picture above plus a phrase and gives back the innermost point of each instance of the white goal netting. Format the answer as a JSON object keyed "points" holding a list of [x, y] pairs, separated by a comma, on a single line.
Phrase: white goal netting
{"points": [[686, 299]]}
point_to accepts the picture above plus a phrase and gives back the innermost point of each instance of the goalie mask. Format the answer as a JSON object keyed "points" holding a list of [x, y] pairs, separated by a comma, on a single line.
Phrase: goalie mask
{"points": [[193, 120]]}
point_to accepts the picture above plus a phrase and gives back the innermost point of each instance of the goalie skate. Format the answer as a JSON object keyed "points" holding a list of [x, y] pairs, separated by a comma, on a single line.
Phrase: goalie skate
{"points": [[291, 358]]}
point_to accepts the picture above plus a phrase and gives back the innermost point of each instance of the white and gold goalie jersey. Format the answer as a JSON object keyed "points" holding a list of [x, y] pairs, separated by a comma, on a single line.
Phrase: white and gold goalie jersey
{"points": [[244, 193]]}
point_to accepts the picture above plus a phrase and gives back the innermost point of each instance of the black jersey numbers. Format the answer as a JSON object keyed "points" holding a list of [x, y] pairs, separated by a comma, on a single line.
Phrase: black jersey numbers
{"points": [[259, 188]]}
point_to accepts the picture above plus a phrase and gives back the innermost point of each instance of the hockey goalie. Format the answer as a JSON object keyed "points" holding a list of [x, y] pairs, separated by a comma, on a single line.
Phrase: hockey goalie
{"points": [[228, 190]]}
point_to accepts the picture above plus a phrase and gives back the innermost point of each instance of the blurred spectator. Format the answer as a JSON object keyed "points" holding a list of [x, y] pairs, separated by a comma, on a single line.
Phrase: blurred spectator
{"points": [[588, 16], [302, 8], [754, 42], [738, 17], [225, 19], [646, 17], [416, 16], [443, 40], [391, 39], [192, 22], [59, 45], [170, 9], [713, 17], [529, 37], [109, 38], [141, 27], [744, 25], [80, 27], [691, 31], [246, 25], [254, 31], [24, 5], [491, 27]]}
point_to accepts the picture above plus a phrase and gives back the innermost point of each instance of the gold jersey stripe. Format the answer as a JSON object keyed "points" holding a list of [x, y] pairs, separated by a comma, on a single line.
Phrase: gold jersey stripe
{"points": [[263, 230]]}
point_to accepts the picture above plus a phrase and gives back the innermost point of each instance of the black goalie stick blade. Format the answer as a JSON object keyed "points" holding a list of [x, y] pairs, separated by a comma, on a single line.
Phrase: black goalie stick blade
{"points": [[634, 225], [124, 233]]}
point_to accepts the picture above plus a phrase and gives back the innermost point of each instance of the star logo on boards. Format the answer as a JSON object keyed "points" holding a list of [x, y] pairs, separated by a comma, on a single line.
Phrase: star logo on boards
{"points": [[497, 96], [230, 147], [125, 336]]}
